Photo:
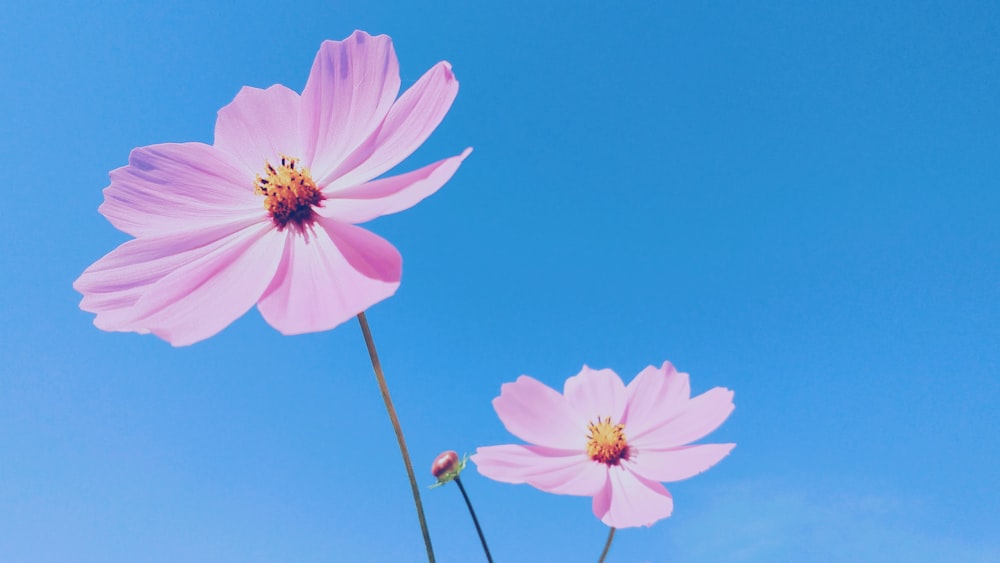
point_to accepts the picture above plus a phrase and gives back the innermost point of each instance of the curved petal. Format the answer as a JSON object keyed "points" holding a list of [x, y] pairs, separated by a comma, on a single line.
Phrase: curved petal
{"points": [[551, 470], [259, 126], [677, 463], [700, 416], [655, 396], [628, 500], [538, 414], [205, 295], [351, 87], [373, 199], [321, 283], [175, 187], [411, 120], [371, 255], [113, 284], [595, 394]]}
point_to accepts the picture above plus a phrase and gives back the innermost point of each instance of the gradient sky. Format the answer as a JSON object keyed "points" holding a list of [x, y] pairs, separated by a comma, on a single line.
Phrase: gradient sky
{"points": [[796, 202]]}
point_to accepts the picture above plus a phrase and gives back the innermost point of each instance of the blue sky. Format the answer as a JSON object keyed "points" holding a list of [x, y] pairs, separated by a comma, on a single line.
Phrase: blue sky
{"points": [[796, 202]]}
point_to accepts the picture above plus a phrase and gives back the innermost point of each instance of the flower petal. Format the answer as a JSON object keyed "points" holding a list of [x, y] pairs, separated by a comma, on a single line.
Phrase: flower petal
{"points": [[115, 283], [368, 253], [351, 87], [328, 275], [655, 396], [176, 187], [700, 416], [677, 463], [628, 500], [259, 126], [596, 394], [373, 199], [203, 296], [411, 120], [538, 414], [551, 470]]}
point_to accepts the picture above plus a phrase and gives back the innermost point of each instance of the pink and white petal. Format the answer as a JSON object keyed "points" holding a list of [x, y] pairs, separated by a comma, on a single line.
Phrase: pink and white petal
{"points": [[113, 284], [177, 187], [317, 287], [351, 87], [554, 471], [677, 463], [595, 394], [390, 195], [411, 120], [654, 396], [371, 255], [260, 126], [538, 414], [201, 298], [701, 415], [628, 500]]}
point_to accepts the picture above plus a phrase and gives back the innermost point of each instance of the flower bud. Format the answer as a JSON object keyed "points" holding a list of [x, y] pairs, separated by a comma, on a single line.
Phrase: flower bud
{"points": [[446, 467]]}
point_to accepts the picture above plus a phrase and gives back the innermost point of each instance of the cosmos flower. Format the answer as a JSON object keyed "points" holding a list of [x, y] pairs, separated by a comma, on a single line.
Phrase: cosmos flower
{"points": [[603, 439], [266, 215]]}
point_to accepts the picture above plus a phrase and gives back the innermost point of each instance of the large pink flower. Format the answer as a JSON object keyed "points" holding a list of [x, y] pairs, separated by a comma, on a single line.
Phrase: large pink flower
{"points": [[267, 214], [605, 440]]}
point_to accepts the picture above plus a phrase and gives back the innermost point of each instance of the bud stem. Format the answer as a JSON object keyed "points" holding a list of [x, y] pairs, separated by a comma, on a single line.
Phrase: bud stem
{"points": [[482, 538]]}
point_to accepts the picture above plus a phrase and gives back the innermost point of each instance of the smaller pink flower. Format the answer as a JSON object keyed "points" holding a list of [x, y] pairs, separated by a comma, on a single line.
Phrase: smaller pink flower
{"points": [[604, 440]]}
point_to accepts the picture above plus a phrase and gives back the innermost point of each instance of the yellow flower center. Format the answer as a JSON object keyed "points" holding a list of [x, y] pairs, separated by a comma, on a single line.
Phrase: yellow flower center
{"points": [[606, 442], [289, 193]]}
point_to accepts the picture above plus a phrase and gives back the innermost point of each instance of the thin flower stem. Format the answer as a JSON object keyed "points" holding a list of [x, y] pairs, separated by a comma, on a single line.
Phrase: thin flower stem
{"points": [[377, 366], [607, 546], [475, 520]]}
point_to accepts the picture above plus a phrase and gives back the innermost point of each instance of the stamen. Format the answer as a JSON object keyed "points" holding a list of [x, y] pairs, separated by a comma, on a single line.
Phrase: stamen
{"points": [[289, 194], [606, 442]]}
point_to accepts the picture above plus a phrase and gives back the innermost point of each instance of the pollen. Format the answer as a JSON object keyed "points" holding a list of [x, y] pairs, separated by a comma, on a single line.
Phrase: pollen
{"points": [[606, 442], [290, 195]]}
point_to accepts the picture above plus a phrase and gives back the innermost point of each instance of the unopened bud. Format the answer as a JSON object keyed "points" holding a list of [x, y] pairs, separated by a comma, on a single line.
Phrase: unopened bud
{"points": [[446, 467]]}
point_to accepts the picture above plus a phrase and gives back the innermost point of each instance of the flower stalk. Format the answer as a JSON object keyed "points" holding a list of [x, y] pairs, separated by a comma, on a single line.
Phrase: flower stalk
{"points": [[607, 546], [398, 429]]}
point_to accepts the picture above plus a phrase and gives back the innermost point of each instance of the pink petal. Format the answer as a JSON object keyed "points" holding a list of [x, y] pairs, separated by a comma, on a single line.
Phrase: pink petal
{"points": [[595, 394], [172, 188], [328, 275], [655, 396], [538, 414], [259, 126], [700, 416], [628, 500], [411, 120], [371, 255], [352, 85], [373, 199], [677, 463], [113, 284], [202, 297], [553, 471]]}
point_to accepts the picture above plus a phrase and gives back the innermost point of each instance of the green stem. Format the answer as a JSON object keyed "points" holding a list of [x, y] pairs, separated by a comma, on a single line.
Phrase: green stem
{"points": [[384, 389], [482, 538], [607, 546]]}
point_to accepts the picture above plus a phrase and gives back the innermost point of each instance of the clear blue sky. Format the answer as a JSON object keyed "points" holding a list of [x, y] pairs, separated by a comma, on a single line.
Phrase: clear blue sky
{"points": [[796, 202]]}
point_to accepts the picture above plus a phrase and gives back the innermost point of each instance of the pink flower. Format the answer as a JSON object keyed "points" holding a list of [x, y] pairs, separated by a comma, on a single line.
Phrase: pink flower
{"points": [[605, 440], [267, 213]]}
